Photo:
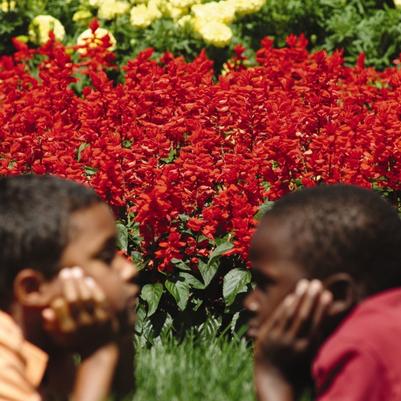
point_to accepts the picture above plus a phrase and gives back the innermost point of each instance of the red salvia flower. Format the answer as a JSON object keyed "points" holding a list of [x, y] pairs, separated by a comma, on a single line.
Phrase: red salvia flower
{"points": [[191, 159]]}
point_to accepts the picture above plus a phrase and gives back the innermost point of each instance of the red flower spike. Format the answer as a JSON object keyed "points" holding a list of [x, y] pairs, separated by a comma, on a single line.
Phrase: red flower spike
{"points": [[190, 159], [94, 24]]}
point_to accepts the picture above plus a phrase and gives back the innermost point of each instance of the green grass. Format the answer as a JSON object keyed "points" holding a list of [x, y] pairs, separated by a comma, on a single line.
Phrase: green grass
{"points": [[195, 369]]}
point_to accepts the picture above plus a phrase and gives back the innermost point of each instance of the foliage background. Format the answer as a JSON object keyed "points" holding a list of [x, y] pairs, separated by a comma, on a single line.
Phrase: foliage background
{"points": [[369, 26], [186, 162], [210, 295]]}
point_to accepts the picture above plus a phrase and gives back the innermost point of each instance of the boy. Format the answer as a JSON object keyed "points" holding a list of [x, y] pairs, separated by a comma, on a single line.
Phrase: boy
{"points": [[327, 264], [52, 310]]}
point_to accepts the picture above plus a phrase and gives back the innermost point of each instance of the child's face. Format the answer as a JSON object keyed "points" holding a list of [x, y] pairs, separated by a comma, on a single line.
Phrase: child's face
{"points": [[275, 274], [93, 248]]}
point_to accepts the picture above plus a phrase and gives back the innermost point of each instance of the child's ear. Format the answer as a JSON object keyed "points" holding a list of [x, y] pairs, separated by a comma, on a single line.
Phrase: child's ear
{"points": [[344, 291], [27, 286]]}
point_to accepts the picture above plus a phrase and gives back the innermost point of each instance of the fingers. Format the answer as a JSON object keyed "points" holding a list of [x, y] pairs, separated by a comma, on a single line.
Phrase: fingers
{"points": [[69, 290], [82, 303], [303, 316], [322, 308], [289, 338], [84, 291], [291, 306], [63, 320], [301, 313], [49, 319], [100, 309], [77, 295]]}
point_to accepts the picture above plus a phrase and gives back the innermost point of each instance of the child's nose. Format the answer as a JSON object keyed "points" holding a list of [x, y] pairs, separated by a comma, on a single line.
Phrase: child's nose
{"points": [[129, 272], [126, 269], [251, 303]]}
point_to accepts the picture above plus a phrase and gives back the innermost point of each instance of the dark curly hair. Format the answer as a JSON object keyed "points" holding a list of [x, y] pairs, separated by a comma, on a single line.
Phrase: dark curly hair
{"points": [[34, 223], [342, 228]]}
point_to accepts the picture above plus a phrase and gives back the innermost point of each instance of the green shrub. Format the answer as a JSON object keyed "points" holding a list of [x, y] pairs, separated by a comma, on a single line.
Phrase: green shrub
{"points": [[369, 26]]}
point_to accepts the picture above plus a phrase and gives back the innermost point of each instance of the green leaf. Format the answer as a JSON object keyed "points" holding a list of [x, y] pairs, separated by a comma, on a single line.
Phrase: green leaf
{"points": [[90, 170], [151, 293], [197, 303], [122, 236], [81, 148], [210, 327], [266, 185], [140, 317], [183, 217], [171, 156], [126, 144], [11, 164], [137, 259], [265, 207], [220, 250], [180, 264], [192, 281], [235, 282], [208, 270], [180, 291], [168, 325]]}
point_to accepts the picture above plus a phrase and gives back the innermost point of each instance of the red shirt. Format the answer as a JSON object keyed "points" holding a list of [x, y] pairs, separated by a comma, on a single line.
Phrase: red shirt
{"points": [[361, 361]]}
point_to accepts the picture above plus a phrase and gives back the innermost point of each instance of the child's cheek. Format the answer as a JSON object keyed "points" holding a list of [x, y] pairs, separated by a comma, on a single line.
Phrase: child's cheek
{"points": [[113, 288], [51, 290]]}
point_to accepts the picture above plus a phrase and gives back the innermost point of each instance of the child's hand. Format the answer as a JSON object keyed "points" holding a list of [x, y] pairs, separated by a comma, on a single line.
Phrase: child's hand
{"points": [[80, 318], [286, 340]]}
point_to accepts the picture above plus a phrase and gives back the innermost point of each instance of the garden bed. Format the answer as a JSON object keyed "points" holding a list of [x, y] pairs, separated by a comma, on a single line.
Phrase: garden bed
{"points": [[189, 163]]}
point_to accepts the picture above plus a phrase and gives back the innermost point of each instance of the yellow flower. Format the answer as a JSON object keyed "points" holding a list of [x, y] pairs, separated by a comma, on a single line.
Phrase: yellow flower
{"points": [[95, 39], [176, 9], [185, 22], [173, 12], [142, 16], [153, 8], [109, 9], [183, 3], [82, 15], [7, 5], [223, 11], [214, 33], [225, 70], [41, 26], [244, 7]]}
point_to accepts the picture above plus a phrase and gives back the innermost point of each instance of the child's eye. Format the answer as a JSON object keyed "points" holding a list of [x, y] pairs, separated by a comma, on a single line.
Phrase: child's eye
{"points": [[261, 280], [108, 252], [106, 256]]}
